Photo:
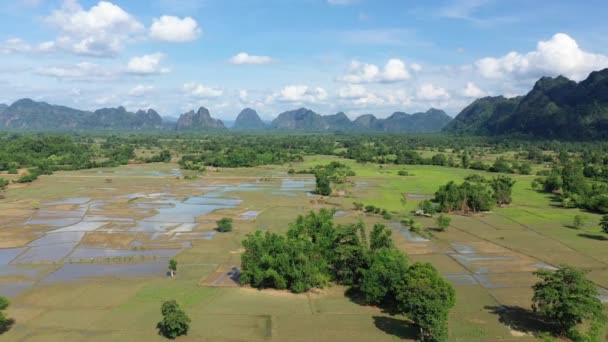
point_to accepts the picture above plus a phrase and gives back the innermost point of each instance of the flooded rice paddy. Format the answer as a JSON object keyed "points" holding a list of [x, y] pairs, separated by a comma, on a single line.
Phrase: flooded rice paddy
{"points": [[124, 231]]}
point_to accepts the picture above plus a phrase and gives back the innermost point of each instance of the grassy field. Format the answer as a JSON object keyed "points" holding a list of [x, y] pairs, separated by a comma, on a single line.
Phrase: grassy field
{"points": [[489, 258]]}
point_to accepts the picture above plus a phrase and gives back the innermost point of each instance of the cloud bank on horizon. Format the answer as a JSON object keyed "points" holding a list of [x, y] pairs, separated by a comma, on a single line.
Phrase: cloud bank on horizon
{"points": [[356, 56]]}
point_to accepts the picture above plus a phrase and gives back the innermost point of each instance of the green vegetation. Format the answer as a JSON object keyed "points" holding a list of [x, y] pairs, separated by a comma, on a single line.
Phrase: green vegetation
{"points": [[224, 225], [426, 298], [566, 298], [578, 221], [604, 223], [3, 184], [323, 185], [443, 222], [172, 267], [163, 157], [356, 269], [175, 322], [4, 322], [315, 251], [474, 195]]}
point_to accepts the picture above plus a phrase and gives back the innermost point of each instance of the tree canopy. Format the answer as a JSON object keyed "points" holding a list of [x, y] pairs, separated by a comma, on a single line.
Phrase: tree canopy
{"points": [[175, 322]]}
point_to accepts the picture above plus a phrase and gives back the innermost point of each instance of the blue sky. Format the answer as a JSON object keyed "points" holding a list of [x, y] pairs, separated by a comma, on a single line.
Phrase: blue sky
{"points": [[356, 56]]}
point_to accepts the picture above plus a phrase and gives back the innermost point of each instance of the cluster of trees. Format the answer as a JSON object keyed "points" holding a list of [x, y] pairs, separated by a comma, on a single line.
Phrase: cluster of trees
{"points": [[325, 175], [574, 189], [163, 157], [315, 252], [475, 194]]}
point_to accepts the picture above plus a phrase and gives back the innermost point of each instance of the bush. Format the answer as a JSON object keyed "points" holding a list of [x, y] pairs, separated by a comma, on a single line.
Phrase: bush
{"points": [[224, 225], [443, 222]]}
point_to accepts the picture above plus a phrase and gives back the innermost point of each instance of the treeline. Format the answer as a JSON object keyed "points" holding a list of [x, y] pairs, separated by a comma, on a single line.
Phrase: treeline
{"points": [[316, 252], [573, 189]]}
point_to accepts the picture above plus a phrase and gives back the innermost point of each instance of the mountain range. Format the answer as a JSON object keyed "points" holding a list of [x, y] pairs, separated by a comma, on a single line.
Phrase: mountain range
{"points": [[306, 120], [30, 115], [555, 108]]}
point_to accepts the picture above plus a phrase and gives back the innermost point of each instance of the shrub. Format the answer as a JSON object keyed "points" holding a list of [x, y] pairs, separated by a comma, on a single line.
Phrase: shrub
{"points": [[224, 225]]}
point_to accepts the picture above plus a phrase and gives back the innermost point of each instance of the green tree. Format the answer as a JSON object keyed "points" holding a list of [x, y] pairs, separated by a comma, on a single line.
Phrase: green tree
{"points": [[501, 165], [443, 222], [3, 184], [502, 187], [566, 297], [427, 207], [224, 225], [380, 237], [426, 298], [465, 160], [604, 223], [172, 267], [175, 322], [379, 282], [578, 221], [4, 303], [349, 254], [552, 183], [323, 183]]}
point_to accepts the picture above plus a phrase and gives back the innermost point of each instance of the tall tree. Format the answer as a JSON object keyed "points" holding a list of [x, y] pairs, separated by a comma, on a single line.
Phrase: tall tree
{"points": [[323, 183], [172, 267], [379, 283], [566, 297], [380, 237], [426, 298], [503, 187], [175, 322]]}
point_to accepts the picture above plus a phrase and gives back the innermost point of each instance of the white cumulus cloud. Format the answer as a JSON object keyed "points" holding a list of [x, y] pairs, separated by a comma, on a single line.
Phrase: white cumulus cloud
{"points": [[559, 55], [394, 70], [429, 92], [140, 90], [359, 95], [472, 90], [300, 94], [174, 29], [245, 58], [147, 64], [100, 31], [202, 91], [83, 71]]}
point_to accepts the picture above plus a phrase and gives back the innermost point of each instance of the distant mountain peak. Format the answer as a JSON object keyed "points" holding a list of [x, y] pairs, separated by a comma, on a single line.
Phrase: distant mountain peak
{"points": [[199, 121], [248, 119]]}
